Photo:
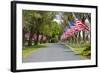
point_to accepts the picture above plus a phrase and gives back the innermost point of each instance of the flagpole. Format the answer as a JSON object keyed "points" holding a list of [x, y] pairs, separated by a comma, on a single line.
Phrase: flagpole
{"points": [[74, 15]]}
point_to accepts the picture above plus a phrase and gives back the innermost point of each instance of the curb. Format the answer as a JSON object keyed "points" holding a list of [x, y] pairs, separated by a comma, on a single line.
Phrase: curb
{"points": [[76, 53], [73, 49]]}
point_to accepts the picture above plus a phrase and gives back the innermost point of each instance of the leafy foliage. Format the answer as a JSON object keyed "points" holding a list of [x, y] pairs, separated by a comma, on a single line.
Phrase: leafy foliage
{"points": [[40, 22]]}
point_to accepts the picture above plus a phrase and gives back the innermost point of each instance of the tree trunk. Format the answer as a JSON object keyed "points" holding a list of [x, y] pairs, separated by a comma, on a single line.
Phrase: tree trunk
{"points": [[23, 36], [30, 38], [79, 37], [41, 40], [84, 39], [76, 38], [37, 38]]}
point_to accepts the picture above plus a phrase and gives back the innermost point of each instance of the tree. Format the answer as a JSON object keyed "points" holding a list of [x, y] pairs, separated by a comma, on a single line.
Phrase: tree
{"points": [[34, 21], [56, 31], [31, 19]]}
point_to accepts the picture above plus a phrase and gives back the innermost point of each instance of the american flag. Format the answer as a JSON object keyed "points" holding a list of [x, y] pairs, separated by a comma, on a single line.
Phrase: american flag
{"points": [[79, 26]]}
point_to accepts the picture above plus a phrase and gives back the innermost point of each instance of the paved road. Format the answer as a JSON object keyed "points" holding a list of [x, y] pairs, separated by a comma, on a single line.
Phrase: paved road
{"points": [[54, 52]]}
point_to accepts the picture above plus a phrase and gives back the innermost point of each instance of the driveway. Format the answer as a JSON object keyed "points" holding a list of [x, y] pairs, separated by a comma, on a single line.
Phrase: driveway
{"points": [[53, 52]]}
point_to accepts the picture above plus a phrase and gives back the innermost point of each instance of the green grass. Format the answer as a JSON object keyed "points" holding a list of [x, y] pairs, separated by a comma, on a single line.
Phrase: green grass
{"points": [[83, 49], [27, 50]]}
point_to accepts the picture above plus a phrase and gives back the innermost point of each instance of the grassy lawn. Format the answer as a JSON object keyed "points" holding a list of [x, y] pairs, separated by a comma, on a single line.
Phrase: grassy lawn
{"points": [[83, 49], [27, 50]]}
